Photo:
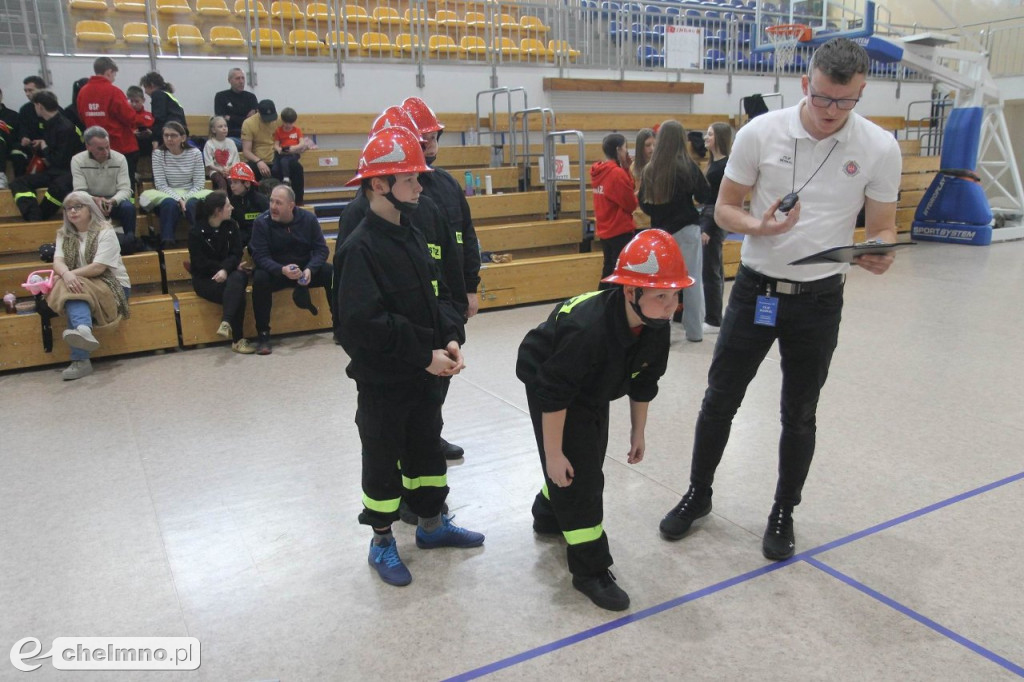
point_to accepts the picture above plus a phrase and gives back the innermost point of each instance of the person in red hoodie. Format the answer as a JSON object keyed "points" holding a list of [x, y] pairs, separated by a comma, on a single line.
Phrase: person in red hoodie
{"points": [[101, 103], [614, 200]]}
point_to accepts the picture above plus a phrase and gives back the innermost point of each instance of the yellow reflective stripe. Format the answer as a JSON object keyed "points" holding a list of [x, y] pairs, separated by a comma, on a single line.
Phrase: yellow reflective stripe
{"points": [[49, 197], [24, 195], [425, 482], [382, 506], [572, 302], [458, 237], [544, 491], [433, 283], [176, 100], [435, 251], [252, 216], [578, 537]]}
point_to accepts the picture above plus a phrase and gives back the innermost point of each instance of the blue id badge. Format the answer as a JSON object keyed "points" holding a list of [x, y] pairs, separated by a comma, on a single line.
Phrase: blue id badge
{"points": [[766, 311]]}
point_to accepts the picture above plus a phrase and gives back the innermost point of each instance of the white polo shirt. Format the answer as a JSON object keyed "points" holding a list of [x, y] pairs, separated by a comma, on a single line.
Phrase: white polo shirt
{"points": [[865, 162]]}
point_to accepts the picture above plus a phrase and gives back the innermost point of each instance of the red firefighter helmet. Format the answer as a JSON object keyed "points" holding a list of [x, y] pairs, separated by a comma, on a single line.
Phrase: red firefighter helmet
{"points": [[652, 260], [389, 152], [422, 115], [392, 117], [241, 171]]}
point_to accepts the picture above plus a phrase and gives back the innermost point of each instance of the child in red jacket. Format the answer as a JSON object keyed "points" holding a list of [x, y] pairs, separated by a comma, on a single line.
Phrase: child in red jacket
{"points": [[614, 200]]}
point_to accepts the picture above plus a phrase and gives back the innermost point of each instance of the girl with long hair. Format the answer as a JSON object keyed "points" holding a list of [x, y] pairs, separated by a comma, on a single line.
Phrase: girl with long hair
{"points": [[644, 149], [91, 285], [669, 186], [718, 140]]}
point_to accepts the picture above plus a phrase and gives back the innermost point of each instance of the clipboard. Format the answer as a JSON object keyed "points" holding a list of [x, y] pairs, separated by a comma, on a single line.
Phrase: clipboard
{"points": [[846, 254]]}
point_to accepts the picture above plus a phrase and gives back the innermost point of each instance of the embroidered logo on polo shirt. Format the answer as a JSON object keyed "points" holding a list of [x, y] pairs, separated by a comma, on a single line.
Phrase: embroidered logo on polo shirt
{"points": [[851, 168], [786, 159]]}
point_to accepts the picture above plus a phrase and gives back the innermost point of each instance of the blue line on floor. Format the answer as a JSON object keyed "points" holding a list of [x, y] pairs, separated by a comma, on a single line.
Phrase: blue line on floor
{"points": [[718, 587], [924, 620]]}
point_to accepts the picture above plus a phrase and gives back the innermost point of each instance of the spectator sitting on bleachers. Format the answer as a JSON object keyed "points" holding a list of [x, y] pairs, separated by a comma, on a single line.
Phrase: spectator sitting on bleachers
{"points": [[235, 104], [91, 286], [165, 105], [215, 252], [289, 143], [143, 121], [8, 125], [258, 147], [247, 202], [289, 250], [101, 103], [179, 181], [29, 128], [102, 173], [219, 153], [60, 142]]}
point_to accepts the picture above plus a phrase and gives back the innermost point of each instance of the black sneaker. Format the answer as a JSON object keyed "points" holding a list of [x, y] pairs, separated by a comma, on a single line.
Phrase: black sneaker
{"points": [[779, 541], [546, 525], [263, 346], [409, 516], [693, 506], [451, 451], [602, 590]]}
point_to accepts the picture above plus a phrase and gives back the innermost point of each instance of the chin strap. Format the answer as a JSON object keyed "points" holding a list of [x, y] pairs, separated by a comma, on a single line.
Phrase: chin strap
{"points": [[648, 321], [405, 207]]}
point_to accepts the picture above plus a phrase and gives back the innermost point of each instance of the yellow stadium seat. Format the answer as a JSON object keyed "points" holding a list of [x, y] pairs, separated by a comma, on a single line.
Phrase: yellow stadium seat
{"points": [[184, 35], [473, 46], [561, 47], [173, 7], [507, 24], [448, 19], [532, 25], [286, 10], [139, 33], [507, 47], [88, 5], [255, 7], [319, 11], [303, 41], [227, 38], [98, 32], [476, 20], [420, 16], [339, 40], [377, 44], [534, 50], [212, 8], [267, 39], [406, 43], [444, 47], [134, 6], [388, 16], [354, 14]]}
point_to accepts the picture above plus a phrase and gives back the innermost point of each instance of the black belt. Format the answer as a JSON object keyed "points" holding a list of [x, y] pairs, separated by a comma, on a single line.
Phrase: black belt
{"points": [[791, 288]]}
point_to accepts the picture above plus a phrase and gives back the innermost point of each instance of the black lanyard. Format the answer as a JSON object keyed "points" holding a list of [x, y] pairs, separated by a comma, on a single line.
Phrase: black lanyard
{"points": [[835, 143]]}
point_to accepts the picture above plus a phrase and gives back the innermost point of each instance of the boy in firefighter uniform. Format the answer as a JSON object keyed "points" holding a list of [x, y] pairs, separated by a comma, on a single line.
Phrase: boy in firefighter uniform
{"points": [[402, 333], [593, 349]]}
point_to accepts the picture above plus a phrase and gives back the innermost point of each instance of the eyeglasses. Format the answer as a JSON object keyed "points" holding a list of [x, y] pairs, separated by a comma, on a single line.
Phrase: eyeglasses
{"points": [[843, 103], [74, 207]]}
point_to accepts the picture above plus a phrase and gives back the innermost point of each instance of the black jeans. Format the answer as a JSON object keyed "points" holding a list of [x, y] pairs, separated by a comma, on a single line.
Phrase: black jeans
{"points": [[714, 276], [807, 329], [230, 293], [612, 247], [265, 283]]}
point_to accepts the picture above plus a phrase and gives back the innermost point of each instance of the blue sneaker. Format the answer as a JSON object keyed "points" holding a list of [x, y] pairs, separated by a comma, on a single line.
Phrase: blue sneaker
{"points": [[448, 535], [389, 565]]}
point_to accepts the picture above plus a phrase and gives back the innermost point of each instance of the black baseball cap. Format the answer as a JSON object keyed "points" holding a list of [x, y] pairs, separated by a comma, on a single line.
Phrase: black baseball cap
{"points": [[268, 112]]}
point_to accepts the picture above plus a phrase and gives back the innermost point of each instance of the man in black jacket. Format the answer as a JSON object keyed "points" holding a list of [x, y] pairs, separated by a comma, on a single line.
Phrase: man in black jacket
{"points": [[398, 326], [29, 127], [8, 128], [289, 250], [235, 104], [60, 142]]}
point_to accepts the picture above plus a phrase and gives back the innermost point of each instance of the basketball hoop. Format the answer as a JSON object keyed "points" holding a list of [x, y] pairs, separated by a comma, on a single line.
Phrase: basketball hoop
{"points": [[784, 38]]}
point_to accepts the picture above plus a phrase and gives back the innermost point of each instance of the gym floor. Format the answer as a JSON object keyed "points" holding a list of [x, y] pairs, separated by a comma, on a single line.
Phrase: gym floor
{"points": [[212, 495]]}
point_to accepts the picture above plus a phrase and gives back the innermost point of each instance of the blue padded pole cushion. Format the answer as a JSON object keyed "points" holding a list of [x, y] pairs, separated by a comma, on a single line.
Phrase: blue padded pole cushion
{"points": [[952, 199], [962, 138]]}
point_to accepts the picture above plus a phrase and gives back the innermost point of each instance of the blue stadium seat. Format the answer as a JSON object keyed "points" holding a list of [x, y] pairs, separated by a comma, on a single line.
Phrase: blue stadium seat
{"points": [[714, 59], [650, 56]]}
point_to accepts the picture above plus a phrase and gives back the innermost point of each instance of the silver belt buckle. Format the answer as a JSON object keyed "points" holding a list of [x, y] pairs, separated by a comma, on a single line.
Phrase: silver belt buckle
{"points": [[788, 288]]}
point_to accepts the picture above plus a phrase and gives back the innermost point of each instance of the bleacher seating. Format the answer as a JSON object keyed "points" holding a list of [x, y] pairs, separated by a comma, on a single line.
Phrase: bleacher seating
{"points": [[88, 5], [212, 8], [173, 7], [130, 6], [139, 33], [251, 7], [184, 35], [266, 39], [226, 37], [94, 32]]}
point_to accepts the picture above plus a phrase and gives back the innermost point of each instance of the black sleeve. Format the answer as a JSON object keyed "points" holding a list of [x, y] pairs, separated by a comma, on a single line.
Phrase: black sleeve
{"points": [[159, 101], [643, 388], [220, 106], [66, 144], [576, 352], [234, 255], [452, 276], [200, 264], [702, 190], [470, 249]]}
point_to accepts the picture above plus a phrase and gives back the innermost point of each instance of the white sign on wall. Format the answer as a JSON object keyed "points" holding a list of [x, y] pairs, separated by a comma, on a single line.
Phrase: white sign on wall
{"points": [[562, 168], [684, 47]]}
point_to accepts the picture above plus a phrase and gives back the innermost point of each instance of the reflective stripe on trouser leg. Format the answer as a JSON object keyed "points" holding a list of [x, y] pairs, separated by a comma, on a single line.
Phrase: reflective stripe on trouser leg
{"points": [[579, 506]]}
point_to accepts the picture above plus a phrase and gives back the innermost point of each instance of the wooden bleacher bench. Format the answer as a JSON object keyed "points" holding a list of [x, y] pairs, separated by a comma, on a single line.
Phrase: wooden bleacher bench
{"points": [[538, 279], [200, 318], [342, 124], [143, 269], [152, 326]]}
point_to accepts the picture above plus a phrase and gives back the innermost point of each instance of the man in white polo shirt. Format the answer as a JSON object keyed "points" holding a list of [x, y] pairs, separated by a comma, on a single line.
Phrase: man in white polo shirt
{"points": [[836, 162]]}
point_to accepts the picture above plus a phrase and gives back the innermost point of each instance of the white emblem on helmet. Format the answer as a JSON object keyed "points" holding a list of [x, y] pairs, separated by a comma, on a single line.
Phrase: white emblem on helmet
{"points": [[395, 155], [648, 267]]}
